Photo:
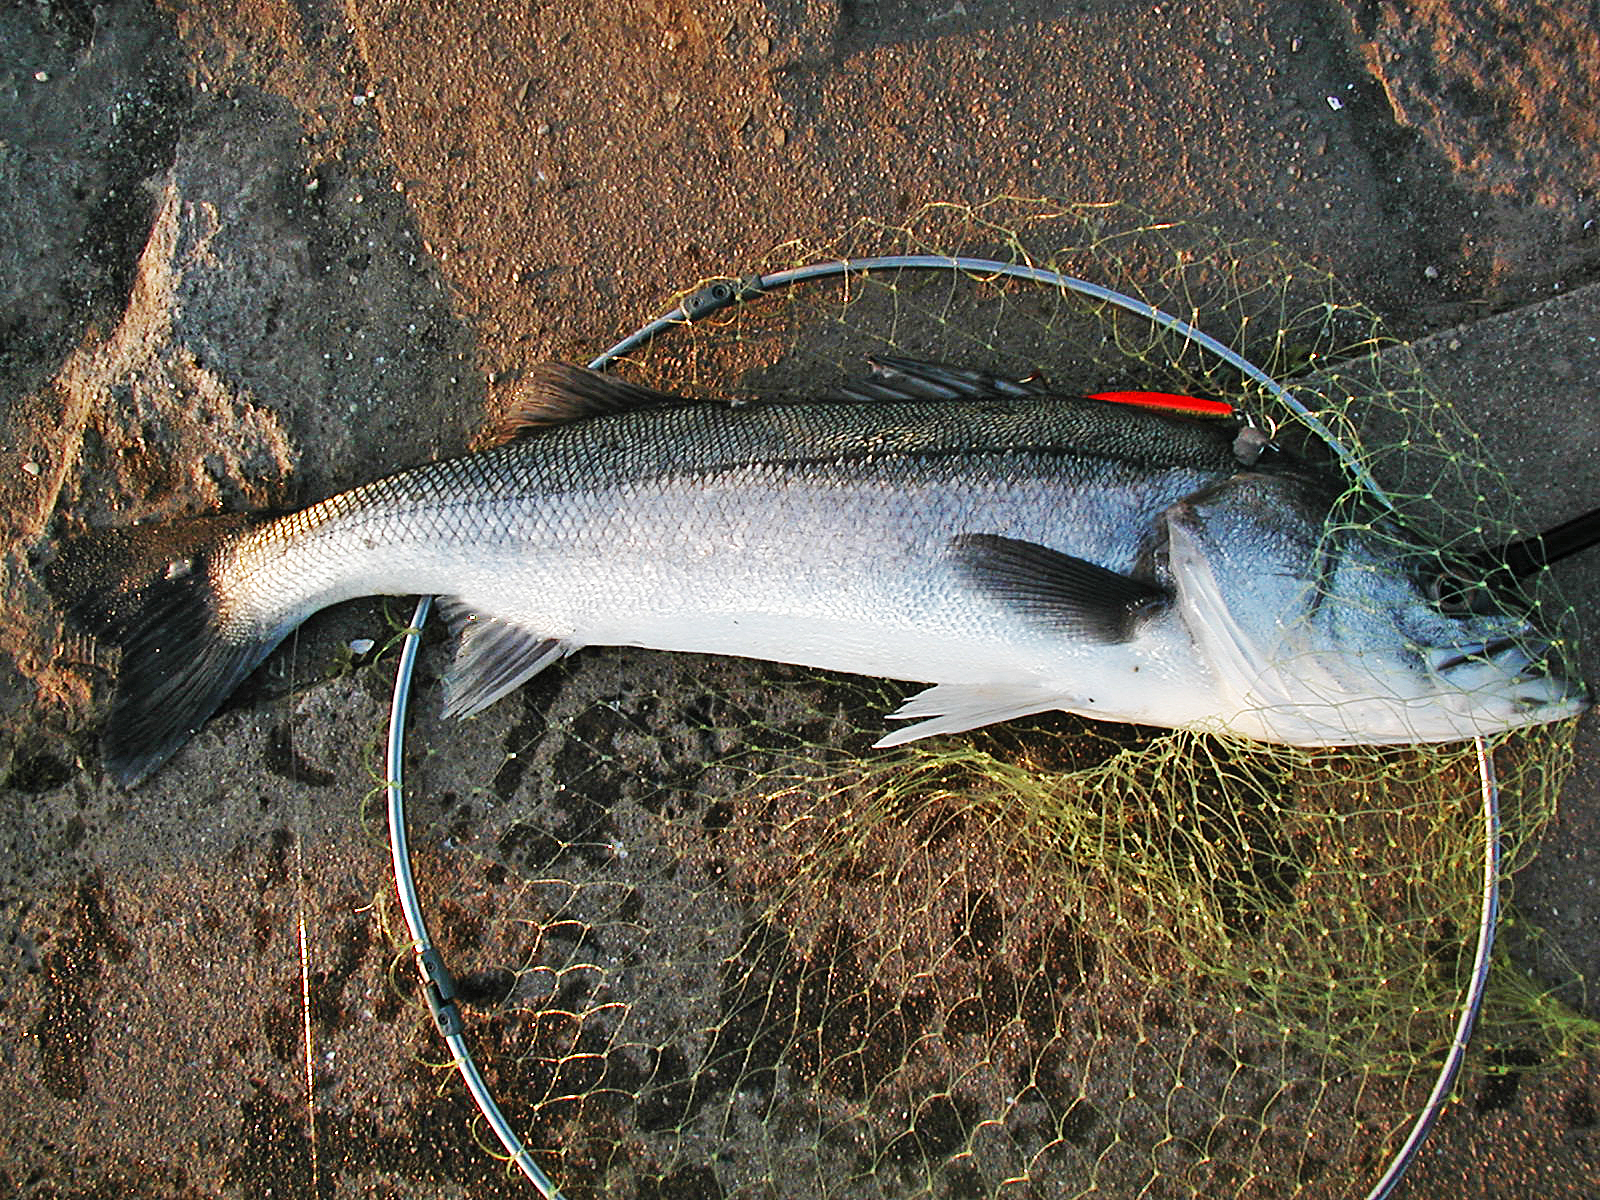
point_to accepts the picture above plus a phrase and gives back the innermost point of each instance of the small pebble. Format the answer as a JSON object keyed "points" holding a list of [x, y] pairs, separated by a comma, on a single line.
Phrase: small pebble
{"points": [[32, 468]]}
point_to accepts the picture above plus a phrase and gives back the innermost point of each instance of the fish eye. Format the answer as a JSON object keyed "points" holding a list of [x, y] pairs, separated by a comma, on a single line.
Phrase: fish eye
{"points": [[1455, 594], [1434, 590]]}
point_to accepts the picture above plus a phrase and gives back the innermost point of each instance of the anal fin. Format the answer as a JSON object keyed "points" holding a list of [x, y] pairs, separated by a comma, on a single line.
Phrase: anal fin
{"points": [[493, 657], [957, 707]]}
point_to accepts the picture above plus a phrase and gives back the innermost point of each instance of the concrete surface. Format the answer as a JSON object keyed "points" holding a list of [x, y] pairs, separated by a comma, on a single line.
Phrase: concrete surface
{"points": [[258, 252]]}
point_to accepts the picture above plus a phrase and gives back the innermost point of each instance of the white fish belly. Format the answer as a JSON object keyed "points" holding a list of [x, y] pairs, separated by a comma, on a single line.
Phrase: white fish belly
{"points": [[857, 581]]}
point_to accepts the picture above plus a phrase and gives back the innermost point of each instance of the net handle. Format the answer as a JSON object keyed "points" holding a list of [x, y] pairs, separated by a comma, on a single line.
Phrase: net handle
{"points": [[1488, 915], [721, 294], [436, 981]]}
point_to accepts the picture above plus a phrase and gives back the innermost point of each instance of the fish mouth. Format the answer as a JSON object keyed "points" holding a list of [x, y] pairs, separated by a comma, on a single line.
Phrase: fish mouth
{"points": [[1521, 666], [1504, 652]]}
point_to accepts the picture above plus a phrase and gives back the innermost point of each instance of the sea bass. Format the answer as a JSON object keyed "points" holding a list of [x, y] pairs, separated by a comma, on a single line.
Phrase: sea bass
{"points": [[1017, 550]]}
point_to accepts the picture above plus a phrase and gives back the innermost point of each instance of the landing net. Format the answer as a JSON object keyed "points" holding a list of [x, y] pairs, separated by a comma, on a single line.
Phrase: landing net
{"points": [[718, 946]]}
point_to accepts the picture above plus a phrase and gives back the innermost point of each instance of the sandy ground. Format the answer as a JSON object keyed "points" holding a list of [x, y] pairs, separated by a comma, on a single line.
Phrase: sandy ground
{"points": [[258, 252]]}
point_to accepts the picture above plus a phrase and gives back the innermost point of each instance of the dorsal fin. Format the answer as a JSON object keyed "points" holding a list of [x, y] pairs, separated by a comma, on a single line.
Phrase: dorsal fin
{"points": [[895, 378], [553, 393]]}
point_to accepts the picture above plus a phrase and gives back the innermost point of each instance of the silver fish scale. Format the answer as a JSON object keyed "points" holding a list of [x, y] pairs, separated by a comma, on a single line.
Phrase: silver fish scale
{"points": [[705, 439], [710, 437], [1030, 467]]}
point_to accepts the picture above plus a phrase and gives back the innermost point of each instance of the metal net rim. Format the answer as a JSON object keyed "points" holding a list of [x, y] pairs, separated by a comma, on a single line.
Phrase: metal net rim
{"points": [[714, 297]]}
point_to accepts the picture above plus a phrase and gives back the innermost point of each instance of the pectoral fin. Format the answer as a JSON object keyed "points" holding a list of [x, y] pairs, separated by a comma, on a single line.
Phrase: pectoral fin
{"points": [[494, 657], [1070, 594]]}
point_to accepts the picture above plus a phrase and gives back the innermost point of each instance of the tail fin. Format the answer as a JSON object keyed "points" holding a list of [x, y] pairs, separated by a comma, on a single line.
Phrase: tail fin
{"points": [[152, 591]]}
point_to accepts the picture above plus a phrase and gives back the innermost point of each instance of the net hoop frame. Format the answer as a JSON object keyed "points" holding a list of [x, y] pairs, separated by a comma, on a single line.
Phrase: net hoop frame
{"points": [[439, 988]]}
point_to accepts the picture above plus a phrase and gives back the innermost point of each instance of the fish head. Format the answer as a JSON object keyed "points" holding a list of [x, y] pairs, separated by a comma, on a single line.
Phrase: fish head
{"points": [[1324, 630]]}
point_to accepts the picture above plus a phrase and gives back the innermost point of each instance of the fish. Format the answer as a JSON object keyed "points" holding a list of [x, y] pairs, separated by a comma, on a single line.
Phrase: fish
{"points": [[1015, 549]]}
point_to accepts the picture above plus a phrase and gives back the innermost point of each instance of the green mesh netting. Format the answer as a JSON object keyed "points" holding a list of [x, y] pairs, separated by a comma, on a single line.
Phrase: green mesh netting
{"points": [[735, 952]]}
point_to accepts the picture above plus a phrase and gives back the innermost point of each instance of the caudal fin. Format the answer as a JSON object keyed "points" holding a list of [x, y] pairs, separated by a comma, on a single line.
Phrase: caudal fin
{"points": [[152, 592]]}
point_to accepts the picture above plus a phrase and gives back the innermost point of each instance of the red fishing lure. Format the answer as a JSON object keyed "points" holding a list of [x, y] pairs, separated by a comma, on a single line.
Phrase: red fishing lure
{"points": [[1192, 406]]}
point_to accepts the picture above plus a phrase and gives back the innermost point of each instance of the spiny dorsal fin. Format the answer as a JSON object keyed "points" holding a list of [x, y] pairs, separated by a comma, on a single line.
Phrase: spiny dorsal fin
{"points": [[894, 378], [553, 393]]}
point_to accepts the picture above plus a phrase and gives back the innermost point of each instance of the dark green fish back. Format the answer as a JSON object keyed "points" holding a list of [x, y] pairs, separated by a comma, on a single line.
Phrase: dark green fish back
{"points": [[709, 438]]}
